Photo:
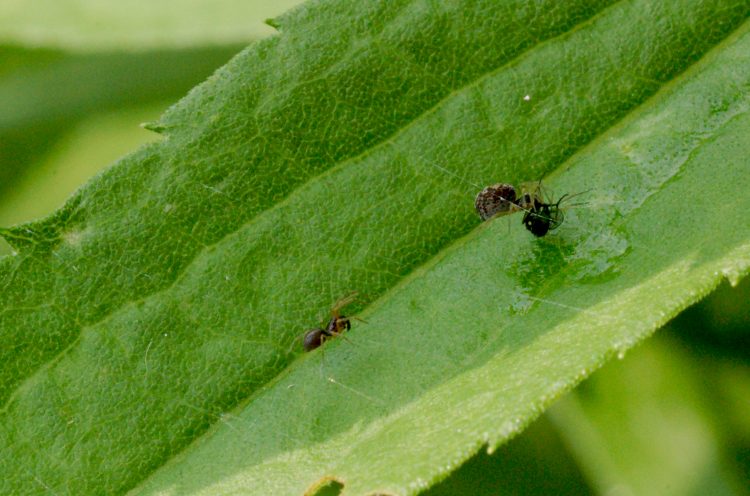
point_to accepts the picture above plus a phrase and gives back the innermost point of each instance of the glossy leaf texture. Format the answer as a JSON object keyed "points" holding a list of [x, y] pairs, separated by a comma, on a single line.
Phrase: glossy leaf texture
{"points": [[154, 321]]}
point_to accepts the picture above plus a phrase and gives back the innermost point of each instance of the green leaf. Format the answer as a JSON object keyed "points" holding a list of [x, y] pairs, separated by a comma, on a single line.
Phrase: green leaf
{"points": [[78, 155], [86, 25], [646, 425], [46, 92], [167, 297], [97, 82], [671, 418]]}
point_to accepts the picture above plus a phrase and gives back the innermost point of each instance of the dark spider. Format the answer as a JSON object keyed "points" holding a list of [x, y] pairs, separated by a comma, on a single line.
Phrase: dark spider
{"points": [[539, 216]]}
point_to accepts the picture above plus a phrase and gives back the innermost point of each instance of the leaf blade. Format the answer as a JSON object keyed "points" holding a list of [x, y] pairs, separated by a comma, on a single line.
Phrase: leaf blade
{"points": [[490, 400], [283, 266]]}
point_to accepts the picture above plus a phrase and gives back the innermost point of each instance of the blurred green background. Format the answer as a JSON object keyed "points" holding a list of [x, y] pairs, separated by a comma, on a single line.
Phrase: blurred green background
{"points": [[671, 417]]}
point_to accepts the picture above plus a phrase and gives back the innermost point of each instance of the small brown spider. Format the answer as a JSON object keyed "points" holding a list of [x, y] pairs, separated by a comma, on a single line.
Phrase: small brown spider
{"points": [[498, 199], [335, 327]]}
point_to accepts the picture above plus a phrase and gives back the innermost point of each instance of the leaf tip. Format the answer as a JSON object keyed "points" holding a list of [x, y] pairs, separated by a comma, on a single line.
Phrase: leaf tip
{"points": [[154, 126], [274, 23]]}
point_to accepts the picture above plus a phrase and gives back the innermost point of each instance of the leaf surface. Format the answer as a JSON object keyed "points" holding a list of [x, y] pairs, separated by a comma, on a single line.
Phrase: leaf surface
{"points": [[168, 295]]}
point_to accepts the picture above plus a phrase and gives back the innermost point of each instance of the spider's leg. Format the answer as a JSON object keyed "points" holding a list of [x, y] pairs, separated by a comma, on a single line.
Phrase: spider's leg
{"points": [[341, 303]]}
